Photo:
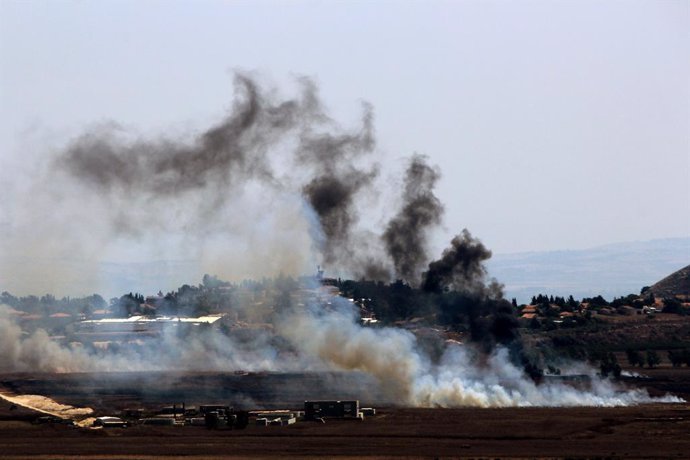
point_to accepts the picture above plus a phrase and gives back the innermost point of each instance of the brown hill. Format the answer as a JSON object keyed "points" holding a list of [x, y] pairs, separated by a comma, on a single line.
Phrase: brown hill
{"points": [[677, 283]]}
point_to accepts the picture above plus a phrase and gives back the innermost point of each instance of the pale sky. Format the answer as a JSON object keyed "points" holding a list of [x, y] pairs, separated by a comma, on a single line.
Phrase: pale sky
{"points": [[555, 124]]}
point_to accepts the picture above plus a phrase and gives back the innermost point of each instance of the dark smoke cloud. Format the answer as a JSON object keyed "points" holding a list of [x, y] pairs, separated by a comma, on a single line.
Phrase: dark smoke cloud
{"points": [[201, 176], [336, 181], [230, 151], [491, 319], [332, 198], [405, 236], [330, 167], [328, 151], [460, 268], [331, 172]]}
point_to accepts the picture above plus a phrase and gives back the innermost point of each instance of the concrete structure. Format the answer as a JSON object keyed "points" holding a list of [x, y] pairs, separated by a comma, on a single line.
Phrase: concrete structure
{"points": [[331, 409]]}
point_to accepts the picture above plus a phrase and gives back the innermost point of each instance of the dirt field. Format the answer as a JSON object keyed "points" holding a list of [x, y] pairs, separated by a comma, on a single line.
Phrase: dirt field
{"points": [[646, 431], [639, 432]]}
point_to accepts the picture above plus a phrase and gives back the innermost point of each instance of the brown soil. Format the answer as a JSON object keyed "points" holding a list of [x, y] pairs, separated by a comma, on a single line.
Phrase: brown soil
{"points": [[646, 431], [639, 432]]}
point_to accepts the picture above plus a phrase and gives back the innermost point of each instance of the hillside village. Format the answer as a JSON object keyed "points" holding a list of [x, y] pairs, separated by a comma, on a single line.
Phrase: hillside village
{"points": [[657, 317]]}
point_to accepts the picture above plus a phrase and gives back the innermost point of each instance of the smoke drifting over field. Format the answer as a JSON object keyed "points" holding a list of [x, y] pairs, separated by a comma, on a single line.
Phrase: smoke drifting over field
{"points": [[225, 197], [238, 154], [276, 186], [316, 340]]}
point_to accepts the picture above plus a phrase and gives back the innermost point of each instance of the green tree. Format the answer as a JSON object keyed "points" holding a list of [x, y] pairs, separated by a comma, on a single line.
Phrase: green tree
{"points": [[535, 323], [686, 357], [634, 357], [672, 305], [609, 366], [8, 299], [652, 359], [676, 357]]}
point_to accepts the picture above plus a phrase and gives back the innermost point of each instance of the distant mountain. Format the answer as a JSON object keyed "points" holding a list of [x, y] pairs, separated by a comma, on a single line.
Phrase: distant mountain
{"points": [[677, 283], [611, 270], [77, 278]]}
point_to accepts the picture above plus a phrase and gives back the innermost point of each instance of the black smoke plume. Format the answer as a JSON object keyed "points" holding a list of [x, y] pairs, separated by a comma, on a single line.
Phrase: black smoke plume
{"points": [[460, 268], [225, 154], [222, 161], [196, 180], [461, 272], [336, 181], [405, 236]]}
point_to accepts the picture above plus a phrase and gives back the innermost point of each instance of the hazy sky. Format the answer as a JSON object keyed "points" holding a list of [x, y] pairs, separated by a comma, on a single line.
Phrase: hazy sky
{"points": [[556, 124]]}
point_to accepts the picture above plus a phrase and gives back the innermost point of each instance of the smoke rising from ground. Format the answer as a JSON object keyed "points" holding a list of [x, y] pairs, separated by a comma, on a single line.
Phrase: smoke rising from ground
{"points": [[405, 236], [275, 187], [315, 339], [460, 268]]}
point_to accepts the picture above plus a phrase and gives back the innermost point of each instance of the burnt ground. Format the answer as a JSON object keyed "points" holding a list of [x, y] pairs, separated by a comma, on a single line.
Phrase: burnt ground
{"points": [[645, 431], [108, 392]]}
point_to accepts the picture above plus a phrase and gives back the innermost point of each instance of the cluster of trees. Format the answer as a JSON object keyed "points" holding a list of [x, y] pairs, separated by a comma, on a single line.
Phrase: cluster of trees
{"points": [[635, 358], [49, 304], [460, 310], [568, 304], [673, 305], [389, 302], [211, 295], [185, 301], [633, 300], [679, 357], [647, 298], [128, 304], [609, 366]]}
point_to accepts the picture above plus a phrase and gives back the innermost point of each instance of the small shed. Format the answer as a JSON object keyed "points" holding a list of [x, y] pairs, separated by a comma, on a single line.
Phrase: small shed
{"points": [[331, 409]]}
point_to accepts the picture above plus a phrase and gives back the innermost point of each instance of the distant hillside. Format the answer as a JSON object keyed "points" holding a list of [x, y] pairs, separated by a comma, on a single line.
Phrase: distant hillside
{"points": [[611, 270], [677, 283], [24, 276]]}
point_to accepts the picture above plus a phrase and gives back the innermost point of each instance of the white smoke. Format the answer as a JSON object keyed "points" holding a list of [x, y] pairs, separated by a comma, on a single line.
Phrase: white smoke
{"points": [[36, 352], [235, 198], [335, 339], [499, 383], [202, 350], [393, 358], [327, 340]]}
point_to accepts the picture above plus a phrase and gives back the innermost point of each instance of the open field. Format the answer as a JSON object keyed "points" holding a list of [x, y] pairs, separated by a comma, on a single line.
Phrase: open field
{"points": [[108, 392], [638, 432], [645, 431]]}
